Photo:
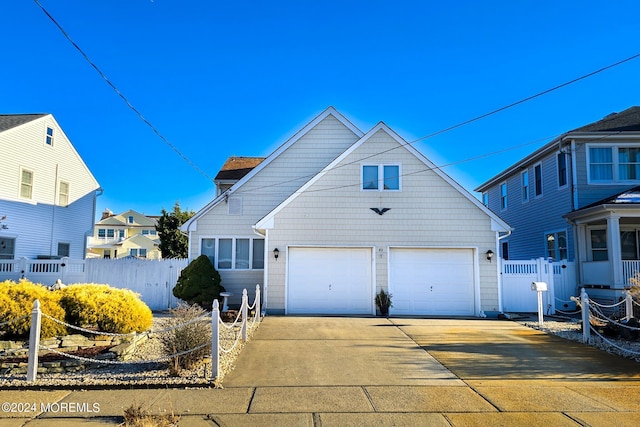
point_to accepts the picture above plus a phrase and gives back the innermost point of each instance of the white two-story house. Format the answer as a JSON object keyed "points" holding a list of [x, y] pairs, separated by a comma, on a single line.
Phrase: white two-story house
{"points": [[336, 214], [47, 192], [577, 198]]}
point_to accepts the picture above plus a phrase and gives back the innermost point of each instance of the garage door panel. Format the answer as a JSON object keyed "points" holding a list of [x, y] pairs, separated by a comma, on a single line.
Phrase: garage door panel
{"points": [[329, 281], [432, 281]]}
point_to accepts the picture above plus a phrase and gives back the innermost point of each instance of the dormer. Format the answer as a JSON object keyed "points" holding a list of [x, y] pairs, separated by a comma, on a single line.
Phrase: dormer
{"points": [[233, 170]]}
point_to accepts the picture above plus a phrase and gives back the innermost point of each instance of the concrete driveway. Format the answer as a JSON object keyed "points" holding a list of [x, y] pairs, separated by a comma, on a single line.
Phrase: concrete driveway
{"points": [[323, 371]]}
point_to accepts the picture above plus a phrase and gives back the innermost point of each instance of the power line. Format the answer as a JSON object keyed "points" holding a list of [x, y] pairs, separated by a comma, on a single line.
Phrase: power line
{"points": [[121, 95]]}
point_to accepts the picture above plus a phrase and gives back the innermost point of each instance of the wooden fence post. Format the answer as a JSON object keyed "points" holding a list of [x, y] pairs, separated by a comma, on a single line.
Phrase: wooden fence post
{"points": [[245, 312], [586, 323], [34, 341], [215, 339]]}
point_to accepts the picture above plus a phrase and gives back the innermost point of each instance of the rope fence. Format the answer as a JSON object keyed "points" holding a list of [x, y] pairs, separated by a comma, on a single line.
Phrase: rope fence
{"points": [[239, 325], [593, 310]]}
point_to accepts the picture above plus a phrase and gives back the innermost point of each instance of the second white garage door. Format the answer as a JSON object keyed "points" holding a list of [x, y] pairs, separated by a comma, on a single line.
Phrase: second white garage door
{"points": [[432, 281], [329, 281]]}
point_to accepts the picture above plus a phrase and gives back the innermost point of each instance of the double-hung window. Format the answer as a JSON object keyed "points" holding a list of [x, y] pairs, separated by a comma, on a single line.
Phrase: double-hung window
{"points": [[503, 195], [63, 193], [525, 186], [381, 177], [562, 170], [598, 244], [613, 163], [49, 137], [26, 184], [537, 179]]}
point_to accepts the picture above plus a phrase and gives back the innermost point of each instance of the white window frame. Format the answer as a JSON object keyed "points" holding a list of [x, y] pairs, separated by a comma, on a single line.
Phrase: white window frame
{"points": [[504, 196], [485, 199], [68, 247], [63, 198], [30, 184], [556, 248], [381, 176], [615, 163], [536, 187], [590, 249], [48, 138], [138, 252], [234, 239], [130, 219], [524, 185]]}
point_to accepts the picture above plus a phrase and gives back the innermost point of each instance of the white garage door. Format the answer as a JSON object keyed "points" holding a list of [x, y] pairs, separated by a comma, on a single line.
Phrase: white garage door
{"points": [[329, 281], [432, 281]]}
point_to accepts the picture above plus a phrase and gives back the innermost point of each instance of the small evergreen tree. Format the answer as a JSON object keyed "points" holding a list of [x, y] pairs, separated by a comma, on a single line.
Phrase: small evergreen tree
{"points": [[173, 244], [199, 283]]}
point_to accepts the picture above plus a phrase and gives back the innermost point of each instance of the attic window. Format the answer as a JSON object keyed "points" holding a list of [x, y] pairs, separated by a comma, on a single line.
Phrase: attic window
{"points": [[49, 137], [130, 219], [235, 205], [381, 177]]}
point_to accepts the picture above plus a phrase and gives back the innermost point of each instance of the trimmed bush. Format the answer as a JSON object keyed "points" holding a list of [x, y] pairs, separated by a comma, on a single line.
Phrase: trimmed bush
{"points": [[199, 283], [105, 308], [16, 300]]}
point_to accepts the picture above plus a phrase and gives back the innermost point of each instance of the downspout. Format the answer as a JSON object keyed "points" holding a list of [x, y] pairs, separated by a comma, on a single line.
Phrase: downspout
{"points": [[265, 275], [574, 177]]}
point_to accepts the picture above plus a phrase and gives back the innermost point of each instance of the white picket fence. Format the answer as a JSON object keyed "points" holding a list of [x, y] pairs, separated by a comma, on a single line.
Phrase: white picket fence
{"points": [[517, 276], [154, 280]]}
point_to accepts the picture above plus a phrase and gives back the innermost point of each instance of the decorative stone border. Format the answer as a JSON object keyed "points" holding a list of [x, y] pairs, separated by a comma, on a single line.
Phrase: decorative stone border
{"points": [[121, 348]]}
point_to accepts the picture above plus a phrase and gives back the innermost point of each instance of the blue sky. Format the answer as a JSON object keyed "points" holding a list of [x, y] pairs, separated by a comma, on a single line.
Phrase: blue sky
{"points": [[239, 78]]}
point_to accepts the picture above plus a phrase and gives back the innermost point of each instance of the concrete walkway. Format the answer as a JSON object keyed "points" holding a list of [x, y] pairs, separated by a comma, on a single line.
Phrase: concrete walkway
{"points": [[320, 371]]}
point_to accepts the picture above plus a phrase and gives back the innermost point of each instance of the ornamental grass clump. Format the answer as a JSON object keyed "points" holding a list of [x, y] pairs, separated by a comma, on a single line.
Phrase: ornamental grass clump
{"points": [[16, 304], [105, 309], [186, 337]]}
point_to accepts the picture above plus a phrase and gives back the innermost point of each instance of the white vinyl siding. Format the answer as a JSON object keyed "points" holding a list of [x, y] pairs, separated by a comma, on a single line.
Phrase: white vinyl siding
{"points": [[427, 212]]}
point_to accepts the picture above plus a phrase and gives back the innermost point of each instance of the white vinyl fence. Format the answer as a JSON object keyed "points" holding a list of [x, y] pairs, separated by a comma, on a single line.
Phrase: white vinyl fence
{"points": [[517, 276], [154, 280]]}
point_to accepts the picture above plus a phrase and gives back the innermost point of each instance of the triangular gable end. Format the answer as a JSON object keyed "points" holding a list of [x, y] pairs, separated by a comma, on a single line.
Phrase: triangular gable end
{"points": [[187, 226], [496, 222]]}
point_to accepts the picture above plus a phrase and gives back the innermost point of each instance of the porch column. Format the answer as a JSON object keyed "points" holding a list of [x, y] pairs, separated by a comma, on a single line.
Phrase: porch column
{"points": [[614, 248]]}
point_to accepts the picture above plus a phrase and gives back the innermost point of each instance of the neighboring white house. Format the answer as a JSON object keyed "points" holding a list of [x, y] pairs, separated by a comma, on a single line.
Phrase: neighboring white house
{"points": [[47, 193], [335, 214]]}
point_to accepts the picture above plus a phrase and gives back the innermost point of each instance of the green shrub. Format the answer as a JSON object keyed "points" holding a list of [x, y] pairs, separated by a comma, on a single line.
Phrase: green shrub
{"points": [[16, 301], [199, 283], [105, 308]]}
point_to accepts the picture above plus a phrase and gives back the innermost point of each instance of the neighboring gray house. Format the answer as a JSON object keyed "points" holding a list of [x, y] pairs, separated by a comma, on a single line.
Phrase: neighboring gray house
{"points": [[47, 193], [570, 200], [334, 215]]}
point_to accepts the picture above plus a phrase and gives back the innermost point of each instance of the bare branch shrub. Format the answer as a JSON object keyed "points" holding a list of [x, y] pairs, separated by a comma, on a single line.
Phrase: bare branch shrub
{"points": [[187, 337]]}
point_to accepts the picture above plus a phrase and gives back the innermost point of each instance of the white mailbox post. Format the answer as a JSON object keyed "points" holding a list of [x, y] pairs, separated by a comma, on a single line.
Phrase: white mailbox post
{"points": [[540, 287]]}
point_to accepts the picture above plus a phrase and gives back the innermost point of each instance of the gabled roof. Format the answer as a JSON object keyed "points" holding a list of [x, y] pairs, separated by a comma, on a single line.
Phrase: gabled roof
{"points": [[615, 123], [329, 111], [121, 220], [8, 121], [237, 167], [497, 223]]}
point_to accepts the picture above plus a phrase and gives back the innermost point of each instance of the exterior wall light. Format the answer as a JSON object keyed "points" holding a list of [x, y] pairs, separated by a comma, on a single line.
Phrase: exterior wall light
{"points": [[276, 253], [489, 255]]}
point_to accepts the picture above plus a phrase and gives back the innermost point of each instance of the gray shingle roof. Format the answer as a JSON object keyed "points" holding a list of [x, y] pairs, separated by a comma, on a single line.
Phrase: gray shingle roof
{"points": [[8, 121], [627, 120]]}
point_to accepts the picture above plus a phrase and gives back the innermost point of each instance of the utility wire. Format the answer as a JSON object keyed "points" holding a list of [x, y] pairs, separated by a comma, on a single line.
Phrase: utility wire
{"points": [[121, 95], [448, 129]]}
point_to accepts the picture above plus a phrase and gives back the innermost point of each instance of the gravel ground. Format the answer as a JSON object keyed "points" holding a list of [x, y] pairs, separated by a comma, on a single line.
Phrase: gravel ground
{"points": [[571, 329], [141, 374]]}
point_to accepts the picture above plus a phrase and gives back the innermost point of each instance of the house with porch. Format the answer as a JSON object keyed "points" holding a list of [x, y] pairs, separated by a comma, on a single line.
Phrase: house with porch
{"points": [[128, 234], [576, 198], [47, 192], [335, 215]]}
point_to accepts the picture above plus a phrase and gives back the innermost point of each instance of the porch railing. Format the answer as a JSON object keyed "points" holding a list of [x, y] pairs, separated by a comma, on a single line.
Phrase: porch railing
{"points": [[629, 270]]}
